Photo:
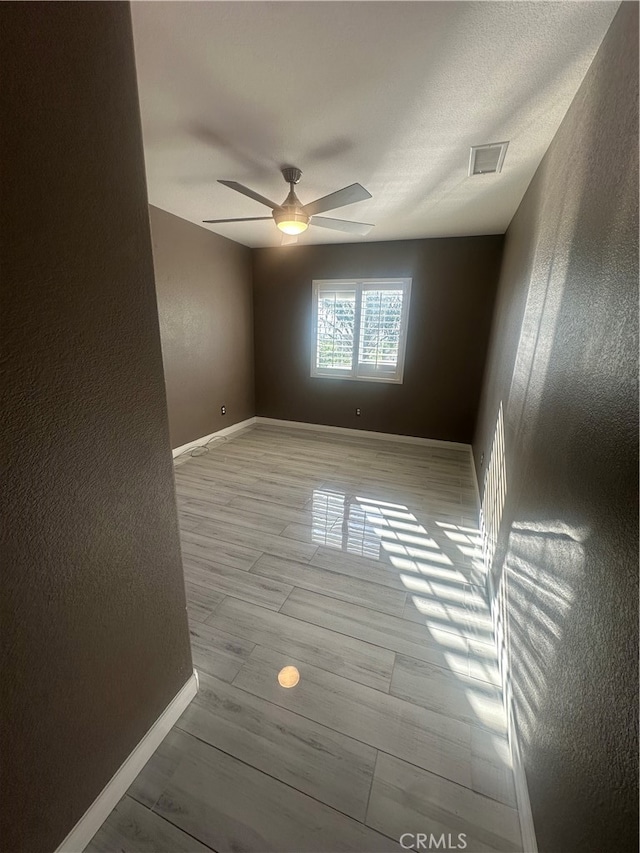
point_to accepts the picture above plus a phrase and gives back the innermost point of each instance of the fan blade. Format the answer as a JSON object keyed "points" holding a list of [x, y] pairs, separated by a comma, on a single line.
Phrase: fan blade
{"points": [[347, 195], [289, 239], [234, 185], [342, 225], [243, 219]]}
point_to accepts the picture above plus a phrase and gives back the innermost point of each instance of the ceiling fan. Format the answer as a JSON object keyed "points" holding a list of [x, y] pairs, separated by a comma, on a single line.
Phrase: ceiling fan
{"points": [[292, 217]]}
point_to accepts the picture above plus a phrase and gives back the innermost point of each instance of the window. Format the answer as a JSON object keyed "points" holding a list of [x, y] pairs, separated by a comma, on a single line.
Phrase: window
{"points": [[360, 329]]}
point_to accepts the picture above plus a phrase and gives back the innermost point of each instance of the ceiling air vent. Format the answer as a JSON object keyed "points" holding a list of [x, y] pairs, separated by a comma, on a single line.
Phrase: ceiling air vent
{"points": [[487, 159]]}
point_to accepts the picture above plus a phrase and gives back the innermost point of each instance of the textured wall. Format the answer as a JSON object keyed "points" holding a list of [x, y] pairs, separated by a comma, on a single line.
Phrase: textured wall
{"points": [[203, 283], [452, 295], [563, 366], [95, 639]]}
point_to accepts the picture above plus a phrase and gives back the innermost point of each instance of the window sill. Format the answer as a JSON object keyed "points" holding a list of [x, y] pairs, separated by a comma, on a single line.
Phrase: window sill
{"points": [[385, 380]]}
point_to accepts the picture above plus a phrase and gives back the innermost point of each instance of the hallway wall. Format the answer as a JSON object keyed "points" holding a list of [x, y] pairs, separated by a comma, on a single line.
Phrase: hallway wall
{"points": [[559, 432], [203, 282], [95, 641]]}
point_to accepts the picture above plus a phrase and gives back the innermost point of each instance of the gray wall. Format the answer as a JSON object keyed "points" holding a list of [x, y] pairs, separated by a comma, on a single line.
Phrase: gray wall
{"points": [[452, 296], [203, 284], [95, 639], [563, 365]]}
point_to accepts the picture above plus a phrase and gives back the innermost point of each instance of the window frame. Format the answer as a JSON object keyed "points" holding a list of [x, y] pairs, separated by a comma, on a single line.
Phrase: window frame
{"points": [[359, 285]]}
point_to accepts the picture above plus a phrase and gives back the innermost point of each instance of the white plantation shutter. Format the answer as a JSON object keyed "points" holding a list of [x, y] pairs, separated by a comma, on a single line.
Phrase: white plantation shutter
{"points": [[359, 329], [336, 311], [380, 330]]}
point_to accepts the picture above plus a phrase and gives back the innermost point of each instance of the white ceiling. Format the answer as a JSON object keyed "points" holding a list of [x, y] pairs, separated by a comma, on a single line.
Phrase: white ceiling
{"points": [[389, 94]]}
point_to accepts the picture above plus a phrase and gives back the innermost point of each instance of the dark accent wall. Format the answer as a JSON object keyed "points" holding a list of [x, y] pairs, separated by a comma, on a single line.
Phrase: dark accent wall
{"points": [[203, 284], [452, 296], [563, 364], [95, 641]]}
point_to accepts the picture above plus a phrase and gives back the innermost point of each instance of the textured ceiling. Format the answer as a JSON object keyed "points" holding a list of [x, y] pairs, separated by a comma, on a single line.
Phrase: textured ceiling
{"points": [[389, 94]]}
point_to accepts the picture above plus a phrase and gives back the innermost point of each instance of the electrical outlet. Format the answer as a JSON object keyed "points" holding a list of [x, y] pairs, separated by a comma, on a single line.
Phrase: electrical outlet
{"points": [[481, 458], [223, 410], [358, 413]]}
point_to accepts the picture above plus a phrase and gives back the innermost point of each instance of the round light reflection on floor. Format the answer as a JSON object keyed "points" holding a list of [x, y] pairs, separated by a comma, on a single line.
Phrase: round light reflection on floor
{"points": [[288, 676]]}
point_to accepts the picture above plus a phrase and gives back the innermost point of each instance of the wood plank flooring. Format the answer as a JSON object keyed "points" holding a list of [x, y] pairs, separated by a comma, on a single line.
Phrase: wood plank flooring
{"points": [[357, 561]]}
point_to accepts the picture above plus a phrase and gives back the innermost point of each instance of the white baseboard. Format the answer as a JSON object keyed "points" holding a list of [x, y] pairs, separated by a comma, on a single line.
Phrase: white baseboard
{"points": [[220, 433], [475, 478], [364, 433], [523, 803], [527, 828], [102, 806]]}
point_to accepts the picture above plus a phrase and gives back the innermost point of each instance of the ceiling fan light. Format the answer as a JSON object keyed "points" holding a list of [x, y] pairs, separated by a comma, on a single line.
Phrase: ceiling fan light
{"points": [[292, 227], [291, 223]]}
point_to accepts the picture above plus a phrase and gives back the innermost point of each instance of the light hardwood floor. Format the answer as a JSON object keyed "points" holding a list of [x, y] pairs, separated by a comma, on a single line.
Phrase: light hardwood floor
{"points": [[356, 561]]}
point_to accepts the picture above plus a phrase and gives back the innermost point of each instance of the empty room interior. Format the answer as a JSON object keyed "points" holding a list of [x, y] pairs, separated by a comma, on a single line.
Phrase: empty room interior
{"points": [[320, 373]]}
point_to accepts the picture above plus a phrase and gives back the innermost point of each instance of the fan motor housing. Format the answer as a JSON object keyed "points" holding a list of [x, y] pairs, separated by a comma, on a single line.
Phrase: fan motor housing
{"points": [[290, 213]]}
